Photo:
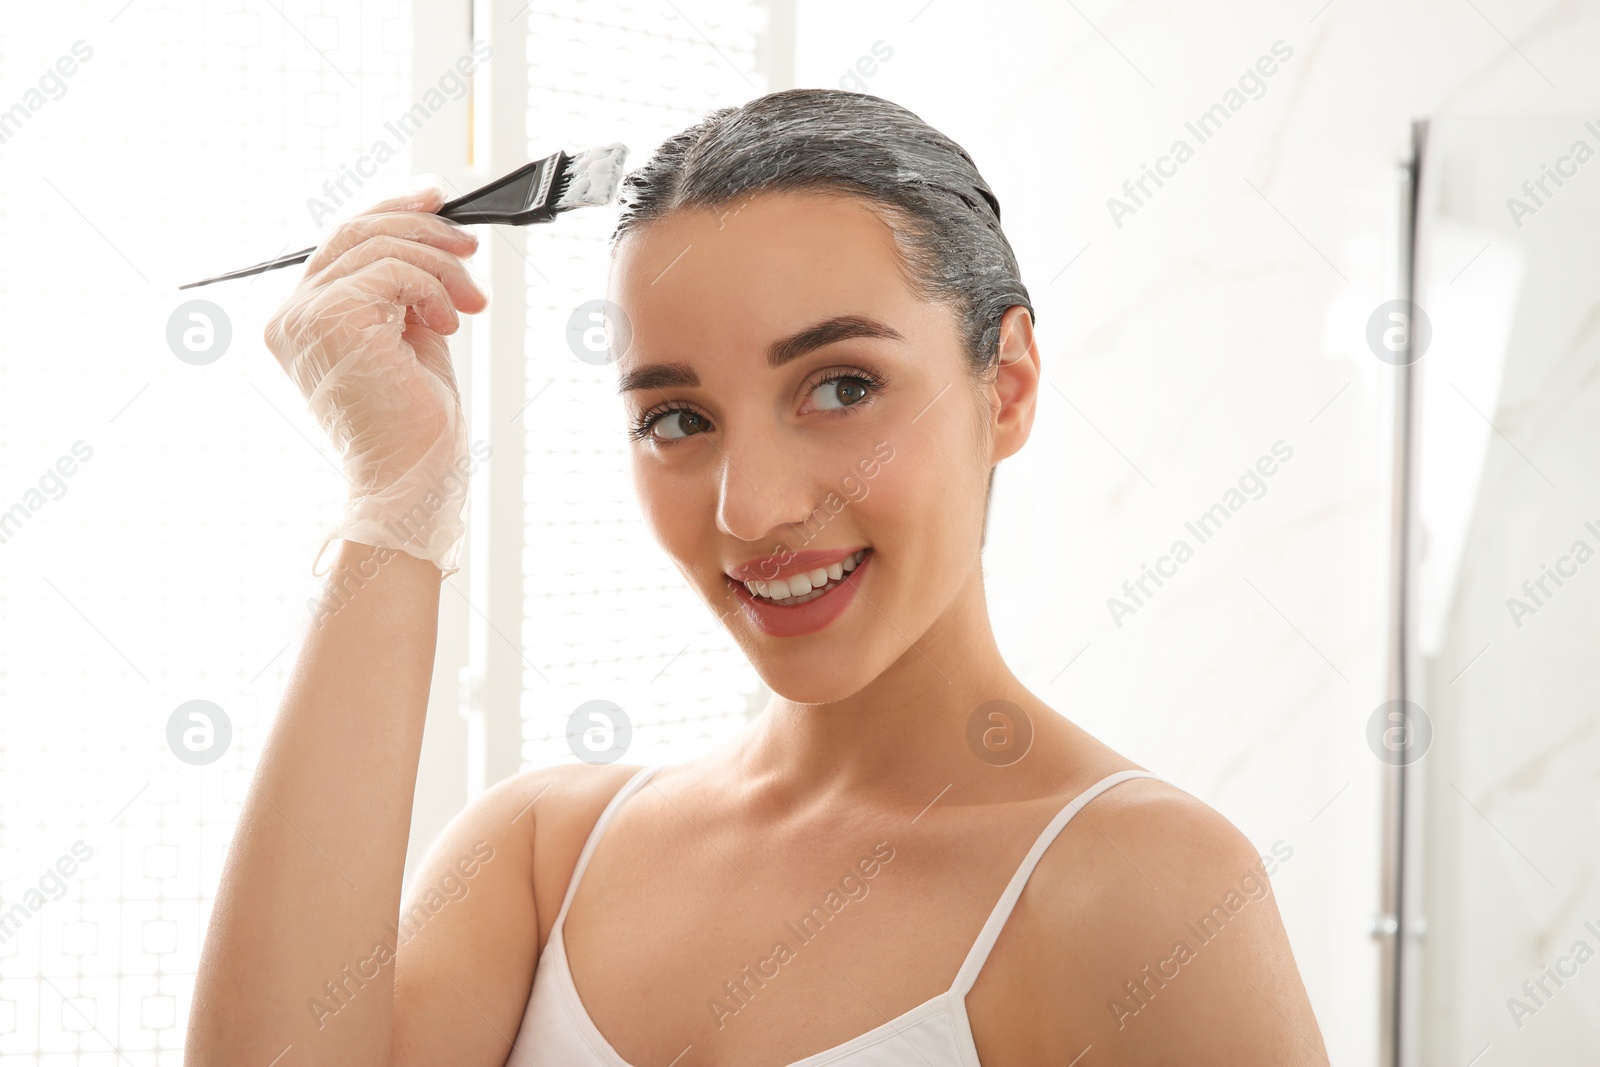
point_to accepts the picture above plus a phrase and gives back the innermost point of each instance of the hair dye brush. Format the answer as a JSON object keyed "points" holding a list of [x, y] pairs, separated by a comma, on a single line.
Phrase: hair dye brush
{"points": [[537, 192]]}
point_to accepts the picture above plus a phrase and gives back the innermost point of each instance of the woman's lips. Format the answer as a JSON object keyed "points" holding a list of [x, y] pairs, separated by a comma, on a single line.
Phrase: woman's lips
{"points": [[797, 620]]}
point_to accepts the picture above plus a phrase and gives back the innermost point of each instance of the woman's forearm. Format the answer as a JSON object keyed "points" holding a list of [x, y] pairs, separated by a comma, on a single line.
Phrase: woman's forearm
{"points": [[312, 880]]}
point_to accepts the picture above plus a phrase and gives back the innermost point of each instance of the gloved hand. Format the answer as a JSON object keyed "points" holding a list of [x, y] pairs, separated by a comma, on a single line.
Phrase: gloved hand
{"points": [[363, 337]]}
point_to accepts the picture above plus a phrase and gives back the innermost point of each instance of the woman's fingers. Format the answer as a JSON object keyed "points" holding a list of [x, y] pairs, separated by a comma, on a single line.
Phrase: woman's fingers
{"points": [[405, 284], [381, 292], [450, 271], [433, 352], [427, 198], [420, 226]]}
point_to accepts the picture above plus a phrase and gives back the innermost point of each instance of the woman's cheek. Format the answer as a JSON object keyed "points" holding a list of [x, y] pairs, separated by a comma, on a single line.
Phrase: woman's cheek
{"points": [[668, 514], [935, 478]]}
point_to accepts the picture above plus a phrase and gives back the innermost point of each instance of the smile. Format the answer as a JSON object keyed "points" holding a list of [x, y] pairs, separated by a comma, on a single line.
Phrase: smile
{"points": [[805, 601], [803, 588]]}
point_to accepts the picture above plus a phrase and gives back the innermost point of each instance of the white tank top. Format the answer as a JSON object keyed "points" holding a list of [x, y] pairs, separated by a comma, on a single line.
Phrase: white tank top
{"points": [[556, 1030]]}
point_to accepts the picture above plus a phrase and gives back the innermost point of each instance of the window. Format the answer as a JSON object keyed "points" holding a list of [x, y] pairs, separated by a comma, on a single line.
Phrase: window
{"points": [[160, 508], [607, 612], [604, 616], [158, 525]]}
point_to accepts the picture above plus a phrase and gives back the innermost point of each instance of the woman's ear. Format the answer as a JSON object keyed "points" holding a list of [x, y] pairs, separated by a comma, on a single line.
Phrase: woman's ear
{"points": [[1014, 392]]}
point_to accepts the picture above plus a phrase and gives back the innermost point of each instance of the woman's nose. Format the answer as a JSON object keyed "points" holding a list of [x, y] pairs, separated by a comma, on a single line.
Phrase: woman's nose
{"points": [[765, 490]]}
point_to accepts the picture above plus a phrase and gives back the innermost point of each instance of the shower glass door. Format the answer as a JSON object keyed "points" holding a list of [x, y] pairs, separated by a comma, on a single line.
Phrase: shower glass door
{"points": [[1503, 968]]}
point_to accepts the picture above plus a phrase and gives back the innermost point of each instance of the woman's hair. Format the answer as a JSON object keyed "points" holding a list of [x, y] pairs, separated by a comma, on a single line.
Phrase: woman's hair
{"points": [[945, 219]]}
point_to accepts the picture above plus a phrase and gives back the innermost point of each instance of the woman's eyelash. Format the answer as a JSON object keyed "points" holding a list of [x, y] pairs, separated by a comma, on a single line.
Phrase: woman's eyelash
{"points": [[646, 422]]}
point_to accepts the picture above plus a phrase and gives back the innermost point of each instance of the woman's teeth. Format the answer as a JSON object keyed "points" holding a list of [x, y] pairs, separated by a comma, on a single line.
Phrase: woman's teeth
{"points": [[803, 587]]}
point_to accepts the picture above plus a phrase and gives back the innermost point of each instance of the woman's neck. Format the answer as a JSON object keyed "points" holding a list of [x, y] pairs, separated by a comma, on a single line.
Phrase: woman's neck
{"points": [[908, 727]]}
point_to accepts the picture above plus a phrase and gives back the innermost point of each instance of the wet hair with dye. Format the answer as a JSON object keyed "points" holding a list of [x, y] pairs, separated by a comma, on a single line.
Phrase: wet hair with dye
{"points": [[945, 219]]}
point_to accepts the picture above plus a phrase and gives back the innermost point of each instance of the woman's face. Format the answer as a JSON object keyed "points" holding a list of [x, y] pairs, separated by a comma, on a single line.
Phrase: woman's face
{"points": [[793, 404]]}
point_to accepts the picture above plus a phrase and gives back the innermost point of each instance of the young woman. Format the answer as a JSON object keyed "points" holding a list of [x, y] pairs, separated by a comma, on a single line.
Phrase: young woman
{"points": [[908, 858]]}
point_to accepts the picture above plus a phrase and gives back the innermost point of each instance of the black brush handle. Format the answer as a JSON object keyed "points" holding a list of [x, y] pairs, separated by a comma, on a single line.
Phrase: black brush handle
{"points": [[260, 268], [528, 194]]}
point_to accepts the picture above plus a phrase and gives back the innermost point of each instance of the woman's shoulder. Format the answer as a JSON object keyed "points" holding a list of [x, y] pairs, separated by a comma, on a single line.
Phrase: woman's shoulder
{"points": [[1148, 811], [1141, 842], [560, 800], [1157, 916], [1141, 814], [564, 793], [558, 804], [558, 807]]}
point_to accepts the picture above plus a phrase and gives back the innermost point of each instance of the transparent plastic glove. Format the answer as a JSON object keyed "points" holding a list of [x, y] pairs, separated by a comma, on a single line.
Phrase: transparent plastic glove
{"points": [[363, 338]]}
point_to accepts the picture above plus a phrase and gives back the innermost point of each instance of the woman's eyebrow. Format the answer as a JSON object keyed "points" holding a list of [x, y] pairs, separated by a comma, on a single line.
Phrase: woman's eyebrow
{"points": [[826, 332]]}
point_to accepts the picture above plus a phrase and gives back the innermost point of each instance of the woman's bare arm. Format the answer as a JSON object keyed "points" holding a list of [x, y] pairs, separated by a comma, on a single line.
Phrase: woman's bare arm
{"points": [[303, 964], [312, 880]]}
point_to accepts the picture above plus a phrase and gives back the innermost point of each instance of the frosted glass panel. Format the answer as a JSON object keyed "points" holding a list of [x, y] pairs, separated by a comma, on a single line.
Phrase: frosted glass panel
{"points": [[1509, 591]]}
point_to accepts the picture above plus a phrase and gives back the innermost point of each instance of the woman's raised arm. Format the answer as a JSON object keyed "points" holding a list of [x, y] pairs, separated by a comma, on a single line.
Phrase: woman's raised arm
{"points": [[312, 879]]}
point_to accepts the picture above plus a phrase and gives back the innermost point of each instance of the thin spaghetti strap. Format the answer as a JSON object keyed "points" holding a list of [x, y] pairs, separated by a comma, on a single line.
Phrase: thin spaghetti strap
{"points": [[990, 933], [629, 788]]}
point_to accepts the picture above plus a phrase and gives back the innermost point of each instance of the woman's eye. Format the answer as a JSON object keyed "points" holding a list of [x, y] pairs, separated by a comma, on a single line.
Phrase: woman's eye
{"points": [[678, 424], [847, 391]]}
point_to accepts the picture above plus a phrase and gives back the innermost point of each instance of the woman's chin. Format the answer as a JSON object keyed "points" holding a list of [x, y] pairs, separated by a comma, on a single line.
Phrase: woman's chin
{"points": [[809, 683]]}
